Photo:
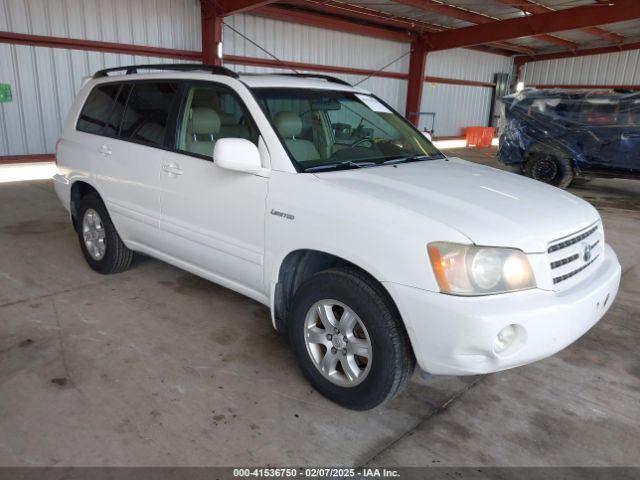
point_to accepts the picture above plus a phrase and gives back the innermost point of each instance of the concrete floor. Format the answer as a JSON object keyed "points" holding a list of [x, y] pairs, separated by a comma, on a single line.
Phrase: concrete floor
{"points": [[158, 367]]}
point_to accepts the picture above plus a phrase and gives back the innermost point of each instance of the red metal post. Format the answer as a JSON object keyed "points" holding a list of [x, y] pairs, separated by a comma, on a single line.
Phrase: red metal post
{"points": [[417, 63], [211, 33]]}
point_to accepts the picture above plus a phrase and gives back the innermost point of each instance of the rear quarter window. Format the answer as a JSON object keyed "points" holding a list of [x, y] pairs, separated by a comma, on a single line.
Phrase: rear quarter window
{"points": [[96, 111]]}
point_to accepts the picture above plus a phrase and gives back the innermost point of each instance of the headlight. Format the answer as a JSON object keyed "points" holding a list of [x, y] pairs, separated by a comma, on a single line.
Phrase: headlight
{"points": [[471, 270]]}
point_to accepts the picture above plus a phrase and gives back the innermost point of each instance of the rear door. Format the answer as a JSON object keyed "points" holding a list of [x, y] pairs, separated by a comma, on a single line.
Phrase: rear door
{"points": [[81, 149], [599, 133], [132, 153]]}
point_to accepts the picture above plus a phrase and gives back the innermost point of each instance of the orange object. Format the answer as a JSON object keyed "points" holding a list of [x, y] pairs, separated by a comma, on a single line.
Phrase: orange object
{"points": [[438, 268], [479, 136]]}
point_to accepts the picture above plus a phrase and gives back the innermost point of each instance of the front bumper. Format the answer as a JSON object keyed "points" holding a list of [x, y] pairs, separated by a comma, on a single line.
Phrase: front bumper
{"points": [[453, 335]]}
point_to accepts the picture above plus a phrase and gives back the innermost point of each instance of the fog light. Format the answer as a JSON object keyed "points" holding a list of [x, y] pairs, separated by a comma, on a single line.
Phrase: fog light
{"points": [[505, 338]]}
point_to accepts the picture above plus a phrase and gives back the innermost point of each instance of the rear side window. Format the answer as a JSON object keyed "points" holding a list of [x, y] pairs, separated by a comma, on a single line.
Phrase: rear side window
{"points": [[147, 113], [97, 109]]}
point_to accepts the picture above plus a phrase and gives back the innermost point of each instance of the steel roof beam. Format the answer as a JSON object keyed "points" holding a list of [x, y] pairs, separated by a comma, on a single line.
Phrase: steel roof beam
{"points": [[521, 59], [361, 14], [567, 19], [232, 7], [473, 17], [528, 6]]}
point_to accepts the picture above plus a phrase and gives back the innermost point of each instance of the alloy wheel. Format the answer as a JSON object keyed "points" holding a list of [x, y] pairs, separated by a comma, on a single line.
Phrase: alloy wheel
{"points": [[93, 234], [338, 343]]}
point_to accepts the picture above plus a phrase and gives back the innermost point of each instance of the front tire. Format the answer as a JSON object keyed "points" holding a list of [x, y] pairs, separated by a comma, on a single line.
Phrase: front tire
{"points": [[349, 339], [100, 243]]}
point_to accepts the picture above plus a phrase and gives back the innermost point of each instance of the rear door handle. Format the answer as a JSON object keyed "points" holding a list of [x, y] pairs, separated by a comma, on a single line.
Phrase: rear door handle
{"points": [[172, 169], [104, 151]]}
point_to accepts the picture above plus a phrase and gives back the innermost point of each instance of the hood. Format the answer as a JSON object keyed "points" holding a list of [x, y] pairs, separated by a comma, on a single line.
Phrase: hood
{"points": [[489, 206]]}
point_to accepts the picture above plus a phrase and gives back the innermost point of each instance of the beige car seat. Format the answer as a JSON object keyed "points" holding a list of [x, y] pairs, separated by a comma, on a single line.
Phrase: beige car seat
{"points": [[289, 125], [202, 131]]}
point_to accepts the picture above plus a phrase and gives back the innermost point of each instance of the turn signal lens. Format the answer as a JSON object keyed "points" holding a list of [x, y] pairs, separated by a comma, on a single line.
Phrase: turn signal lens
{"points": [[470, 270]]}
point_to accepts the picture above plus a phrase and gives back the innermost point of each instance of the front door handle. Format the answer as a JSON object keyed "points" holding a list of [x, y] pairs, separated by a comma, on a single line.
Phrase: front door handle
{"points": [[104, 151], [173, 169]]}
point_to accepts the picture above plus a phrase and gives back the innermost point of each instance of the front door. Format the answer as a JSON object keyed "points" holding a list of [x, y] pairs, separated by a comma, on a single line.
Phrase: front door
{"points": [[213, 219]]}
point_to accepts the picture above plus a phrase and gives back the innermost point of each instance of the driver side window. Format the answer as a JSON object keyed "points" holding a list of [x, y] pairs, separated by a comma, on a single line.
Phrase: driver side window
{"points": [[212, 112]]}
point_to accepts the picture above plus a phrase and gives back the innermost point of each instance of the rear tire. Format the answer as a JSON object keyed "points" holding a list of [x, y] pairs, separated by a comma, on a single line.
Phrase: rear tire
{"points": [[365, 352], [100, 243], [549, 167]]}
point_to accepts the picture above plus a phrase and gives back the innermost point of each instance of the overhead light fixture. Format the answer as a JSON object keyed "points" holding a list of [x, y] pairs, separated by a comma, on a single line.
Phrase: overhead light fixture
{"points": [[519, 86]]}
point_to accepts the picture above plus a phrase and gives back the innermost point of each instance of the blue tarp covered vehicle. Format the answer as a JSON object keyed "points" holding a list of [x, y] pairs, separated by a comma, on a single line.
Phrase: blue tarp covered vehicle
{"points": [[556, 136]]}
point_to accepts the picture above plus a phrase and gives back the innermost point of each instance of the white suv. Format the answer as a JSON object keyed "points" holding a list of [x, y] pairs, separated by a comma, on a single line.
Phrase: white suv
{"points": [[373, 250]]}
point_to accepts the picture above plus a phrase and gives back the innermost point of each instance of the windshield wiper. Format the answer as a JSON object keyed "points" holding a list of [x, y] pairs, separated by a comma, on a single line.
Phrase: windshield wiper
{"points": [[338, 166], [413, 158]]}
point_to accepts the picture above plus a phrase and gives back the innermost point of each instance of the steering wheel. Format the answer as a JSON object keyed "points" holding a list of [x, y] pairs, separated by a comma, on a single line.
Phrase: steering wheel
{"points": [[362, 140]]}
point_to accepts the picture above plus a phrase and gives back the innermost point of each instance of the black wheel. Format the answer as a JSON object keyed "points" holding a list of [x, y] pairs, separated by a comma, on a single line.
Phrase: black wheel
{"points": [[100, 243], [349, 339], [549, 167]]}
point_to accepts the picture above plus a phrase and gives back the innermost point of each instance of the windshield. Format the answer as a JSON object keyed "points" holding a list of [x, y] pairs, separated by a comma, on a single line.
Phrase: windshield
{"points": [[329, 130]]}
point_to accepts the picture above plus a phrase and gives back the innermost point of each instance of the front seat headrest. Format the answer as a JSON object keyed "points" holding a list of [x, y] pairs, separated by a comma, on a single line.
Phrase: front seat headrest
{"points": [[288, 124], [204, 121]]}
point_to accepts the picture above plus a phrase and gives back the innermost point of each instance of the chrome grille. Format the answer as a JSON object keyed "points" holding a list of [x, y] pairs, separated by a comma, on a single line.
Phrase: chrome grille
{"points": [[562, 278], [570, 258], [571, 241]]}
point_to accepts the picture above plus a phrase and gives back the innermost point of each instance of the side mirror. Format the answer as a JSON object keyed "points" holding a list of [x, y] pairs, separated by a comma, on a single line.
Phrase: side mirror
{"points": [[237, 154]]}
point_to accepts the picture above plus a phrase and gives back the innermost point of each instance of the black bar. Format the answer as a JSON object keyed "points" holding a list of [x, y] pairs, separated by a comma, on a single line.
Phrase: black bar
{"points": [[178, 67]]}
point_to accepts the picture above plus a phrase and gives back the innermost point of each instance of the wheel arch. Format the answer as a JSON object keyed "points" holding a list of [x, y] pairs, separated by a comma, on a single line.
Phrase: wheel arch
{"points": [[297, 266], [550, 146], [79, 189]]}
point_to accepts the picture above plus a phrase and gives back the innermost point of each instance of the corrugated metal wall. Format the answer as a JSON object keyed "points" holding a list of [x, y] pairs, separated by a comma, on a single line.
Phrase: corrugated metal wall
{"points": [[459, 106], [619, 68], [455, 108], [302, 43], [44, 81], [156, 23]]}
